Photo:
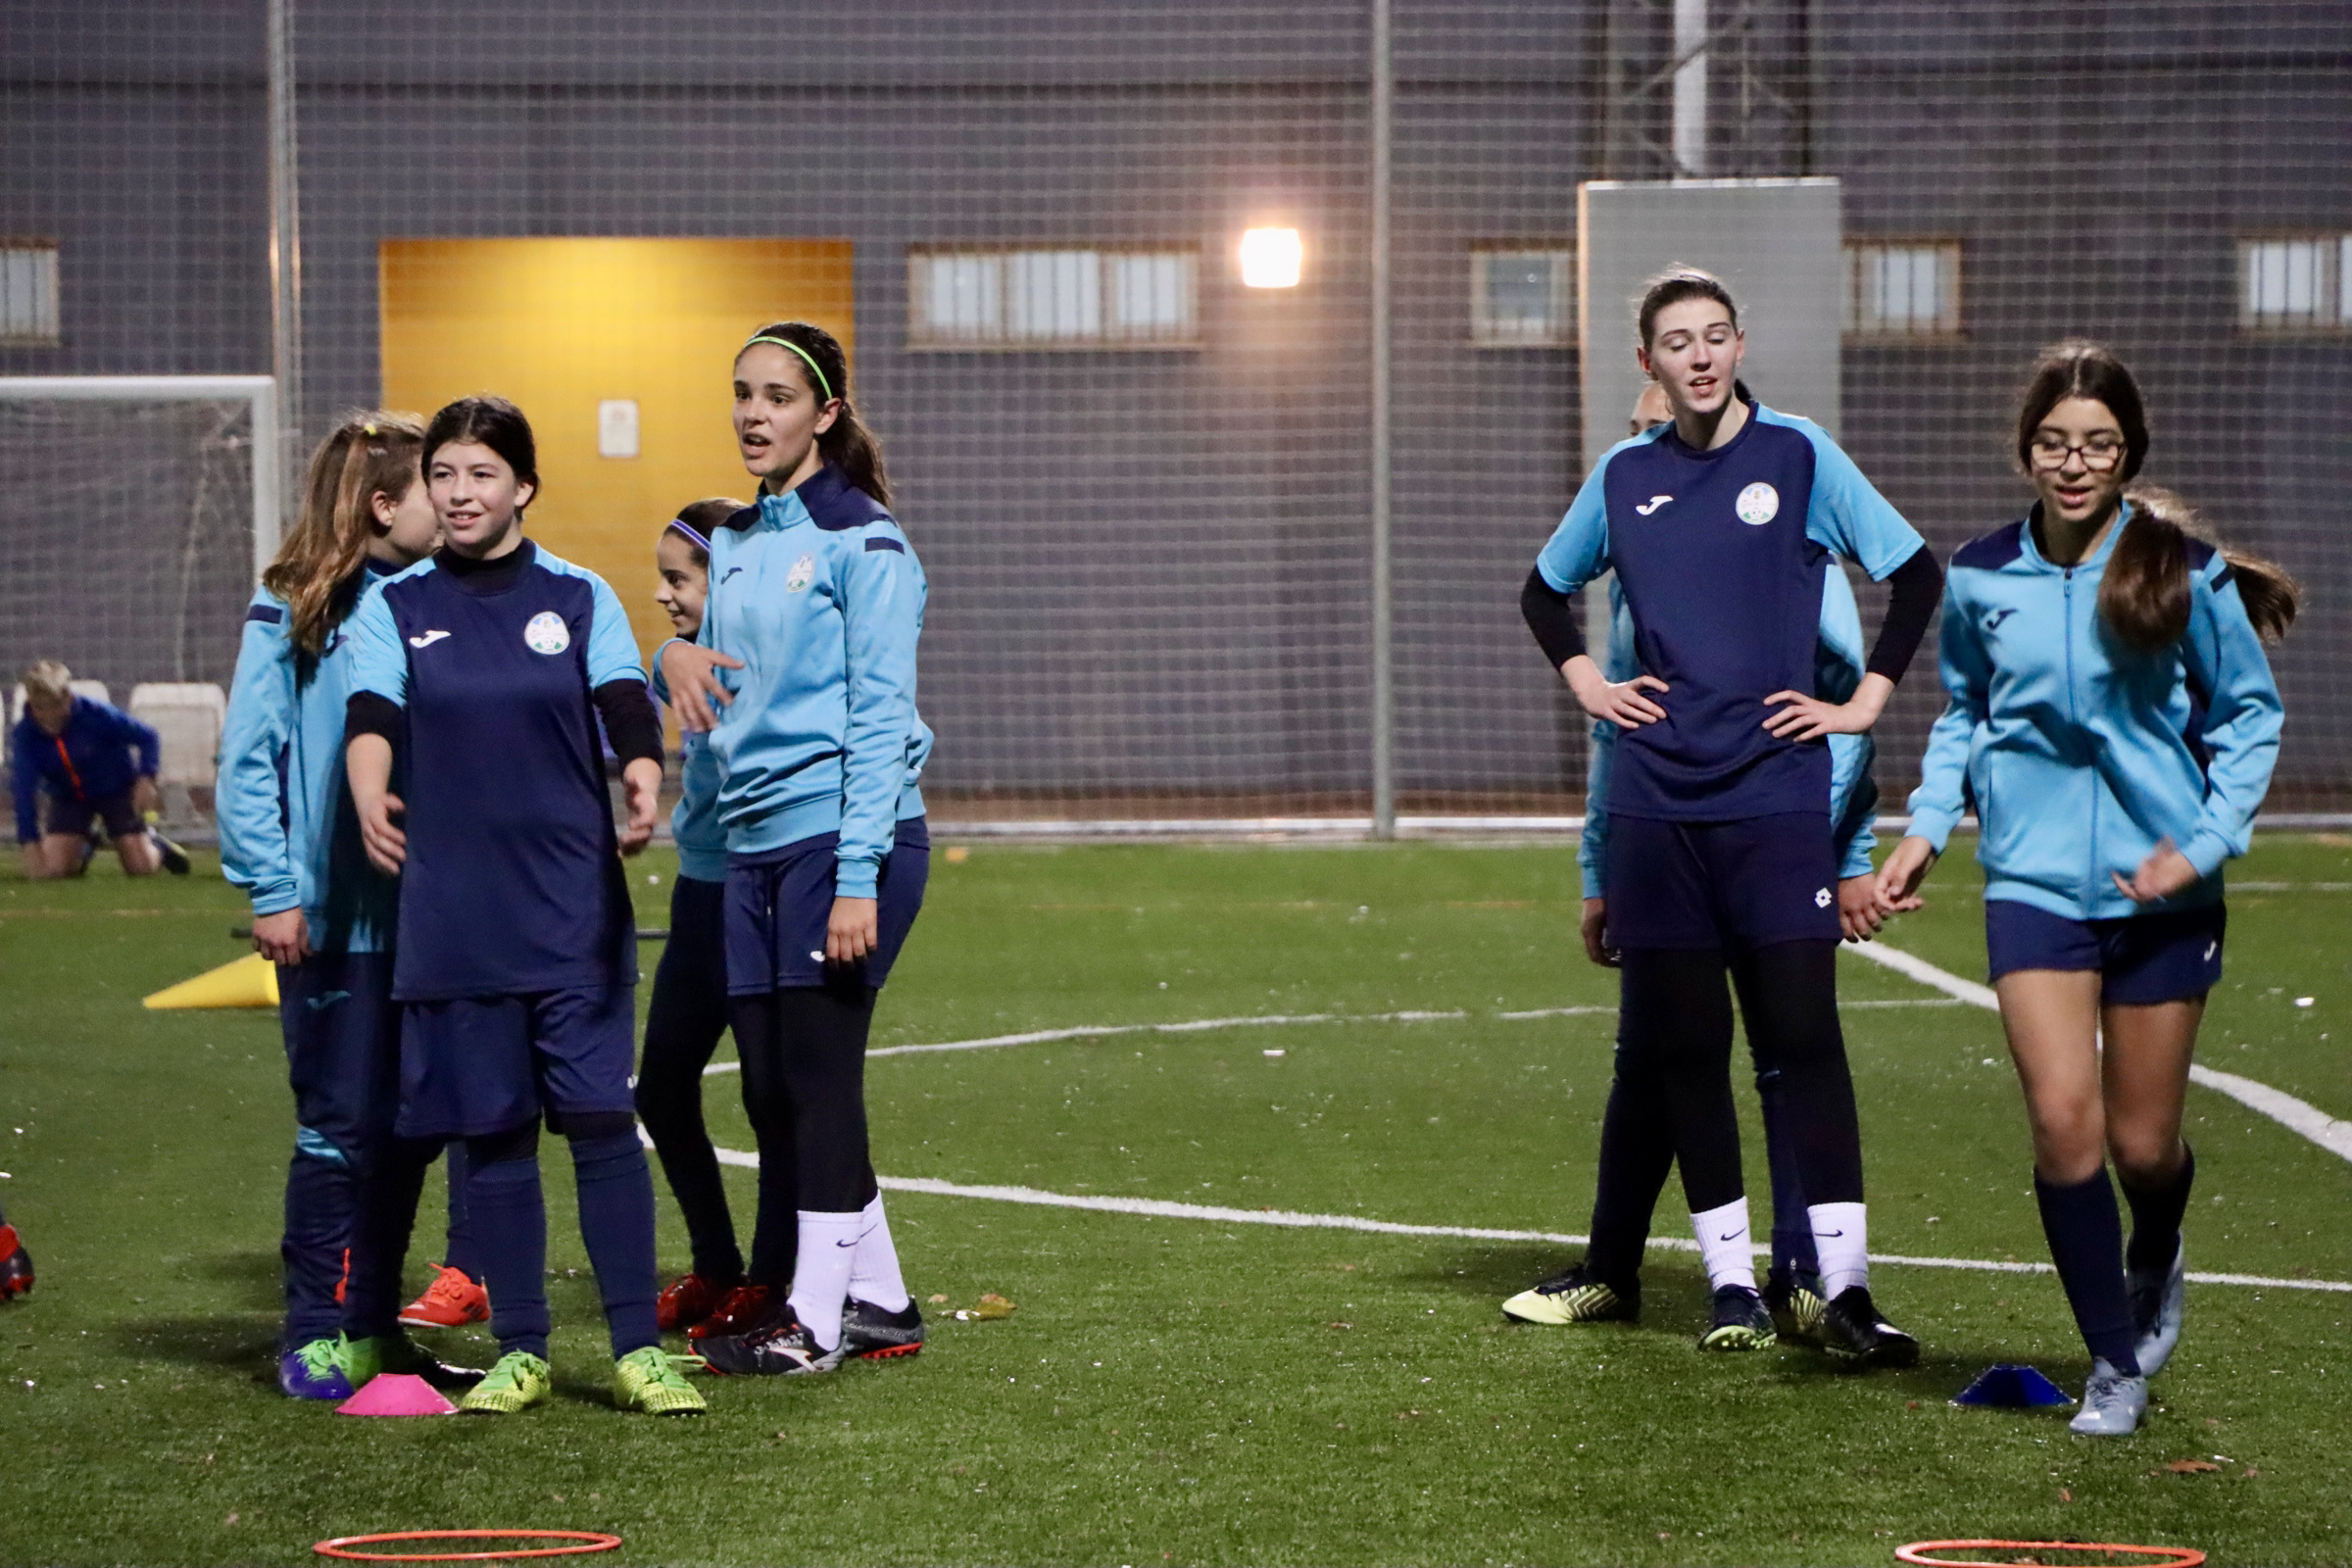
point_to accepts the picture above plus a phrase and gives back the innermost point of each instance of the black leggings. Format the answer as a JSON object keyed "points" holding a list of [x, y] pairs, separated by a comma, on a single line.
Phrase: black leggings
{"points": [[1672, 1097], [803, 1089], [682, 1030]]}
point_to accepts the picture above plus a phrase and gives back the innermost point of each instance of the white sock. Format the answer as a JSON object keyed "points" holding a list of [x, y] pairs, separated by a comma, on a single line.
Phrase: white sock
{"points": [[1841, 1242], [874, 1264], [820, 1273], [1722, 1241]]}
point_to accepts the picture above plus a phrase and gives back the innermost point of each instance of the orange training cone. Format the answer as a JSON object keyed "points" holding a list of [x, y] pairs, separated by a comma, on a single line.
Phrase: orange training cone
{"points": [[250, 982]]}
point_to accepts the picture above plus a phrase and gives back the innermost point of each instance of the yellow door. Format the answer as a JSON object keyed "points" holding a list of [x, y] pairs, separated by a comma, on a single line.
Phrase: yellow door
{"points": [[576, 331]]}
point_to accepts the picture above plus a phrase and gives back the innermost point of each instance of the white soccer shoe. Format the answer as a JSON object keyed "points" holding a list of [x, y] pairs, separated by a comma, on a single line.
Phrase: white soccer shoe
{"points": [[2158, 1305], [2112, 1404]]}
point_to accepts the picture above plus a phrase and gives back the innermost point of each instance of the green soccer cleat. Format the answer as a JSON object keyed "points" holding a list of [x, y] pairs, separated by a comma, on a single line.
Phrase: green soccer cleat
{"points": [[1574, 1297], [651, 1381], [1742, 1322], [1796, 1305], [363, 1359], [519, 1381]]}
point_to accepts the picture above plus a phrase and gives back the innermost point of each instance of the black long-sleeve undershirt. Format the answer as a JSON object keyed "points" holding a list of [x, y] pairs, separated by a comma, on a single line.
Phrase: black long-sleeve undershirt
{"points": [[1916, 589]]}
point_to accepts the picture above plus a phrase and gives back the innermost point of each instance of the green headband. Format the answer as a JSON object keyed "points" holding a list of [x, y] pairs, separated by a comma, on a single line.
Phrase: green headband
{"points": [[822, 385]]}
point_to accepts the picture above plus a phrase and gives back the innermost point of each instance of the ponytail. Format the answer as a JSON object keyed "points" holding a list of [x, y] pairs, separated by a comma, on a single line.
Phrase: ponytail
{"points": [[367, 455], [849, 445], [2145, 592]]}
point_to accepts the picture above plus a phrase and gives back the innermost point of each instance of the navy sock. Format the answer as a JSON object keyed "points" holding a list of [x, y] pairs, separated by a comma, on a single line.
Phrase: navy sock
{"points": [[380, 1244], [509, 1219], [322, 1212], [616, 1221], [461, 1251], [2086, 1243], [2156, 1213]]}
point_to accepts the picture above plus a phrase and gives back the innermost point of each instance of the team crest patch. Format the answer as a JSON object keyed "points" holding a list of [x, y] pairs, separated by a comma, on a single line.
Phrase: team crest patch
{"points": [[803, 570], [1758, 504], [547, 633]]}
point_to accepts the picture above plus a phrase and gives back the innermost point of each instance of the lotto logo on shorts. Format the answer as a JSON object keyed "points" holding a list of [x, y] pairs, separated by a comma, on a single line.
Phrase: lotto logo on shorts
{"points": [[1758, 504], [1821, 899], [547, 633]]}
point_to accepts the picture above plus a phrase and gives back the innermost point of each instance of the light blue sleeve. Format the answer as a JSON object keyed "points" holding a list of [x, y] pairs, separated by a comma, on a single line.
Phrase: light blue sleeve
{"points": [[1848, 514], [611, 645], [1592, 845], [1578, 550], [882, 608], [1941, 799], [655, 682], [1849, 771], [378, 663], [2242, 717], [255, 853]]}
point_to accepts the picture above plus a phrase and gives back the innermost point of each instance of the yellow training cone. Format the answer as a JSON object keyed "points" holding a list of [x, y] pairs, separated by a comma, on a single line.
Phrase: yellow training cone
{"points": [[250, 982]]}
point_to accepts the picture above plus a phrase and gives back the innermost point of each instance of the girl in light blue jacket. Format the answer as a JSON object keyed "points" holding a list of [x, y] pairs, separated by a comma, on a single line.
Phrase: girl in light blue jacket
{"points": [[2114, 723]]}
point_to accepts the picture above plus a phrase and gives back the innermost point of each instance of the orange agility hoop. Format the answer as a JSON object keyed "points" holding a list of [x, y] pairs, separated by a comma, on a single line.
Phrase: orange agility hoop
{"points": [[582, 1541], [2157, 1556]]}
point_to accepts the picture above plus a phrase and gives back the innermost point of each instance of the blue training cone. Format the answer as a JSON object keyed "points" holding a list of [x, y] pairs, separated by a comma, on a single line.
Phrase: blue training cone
{"points": [[2013, 1388]]}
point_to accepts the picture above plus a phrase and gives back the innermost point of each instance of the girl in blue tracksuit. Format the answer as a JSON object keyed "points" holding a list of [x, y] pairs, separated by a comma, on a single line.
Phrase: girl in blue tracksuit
{"points": [[689, 1010], [816, 602], [320, 911], [2114, 723]]}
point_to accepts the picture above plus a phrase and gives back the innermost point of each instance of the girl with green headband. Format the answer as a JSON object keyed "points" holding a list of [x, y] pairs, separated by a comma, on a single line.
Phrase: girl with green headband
{"points": [[815, 603]]}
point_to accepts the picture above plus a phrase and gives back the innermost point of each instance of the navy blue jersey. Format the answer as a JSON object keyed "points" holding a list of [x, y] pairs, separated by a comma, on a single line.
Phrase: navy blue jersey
{"points": [[513, 883], [1721, 556]]}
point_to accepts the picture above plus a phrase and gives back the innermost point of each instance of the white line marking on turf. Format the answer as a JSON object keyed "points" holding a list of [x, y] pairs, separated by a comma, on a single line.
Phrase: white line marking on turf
{"points": [[2295, 1115], [1104, 1031], [1292, 1219]]}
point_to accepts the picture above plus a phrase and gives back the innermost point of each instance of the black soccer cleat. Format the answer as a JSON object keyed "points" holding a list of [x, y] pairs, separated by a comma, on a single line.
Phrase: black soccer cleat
{"points": [[870, 1333], [1741, 1323], [174, 858], [1854, 1332], [785, 1350], [16, 1264]]}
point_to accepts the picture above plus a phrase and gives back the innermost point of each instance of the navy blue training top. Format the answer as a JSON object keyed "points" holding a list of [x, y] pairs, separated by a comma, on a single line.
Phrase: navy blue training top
{"points": [[1722, 555], [513, 883]]}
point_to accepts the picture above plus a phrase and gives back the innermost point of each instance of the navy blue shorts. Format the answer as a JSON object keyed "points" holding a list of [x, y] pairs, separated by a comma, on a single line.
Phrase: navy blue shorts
{"points": [[69, 816], [484, 1064], [342, 1032], [1748, 883], [2164, 955], [778, 904]]}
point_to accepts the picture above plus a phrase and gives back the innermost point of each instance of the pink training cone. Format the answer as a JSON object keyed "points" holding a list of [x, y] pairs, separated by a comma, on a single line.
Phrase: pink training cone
{"points": [[396, 1393]]}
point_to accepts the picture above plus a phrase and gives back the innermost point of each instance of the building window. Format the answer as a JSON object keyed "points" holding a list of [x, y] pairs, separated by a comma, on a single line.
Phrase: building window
{"points": [[1053, 299], [1522, 297], [1903, 289], [2297, 284], [28, 293]]}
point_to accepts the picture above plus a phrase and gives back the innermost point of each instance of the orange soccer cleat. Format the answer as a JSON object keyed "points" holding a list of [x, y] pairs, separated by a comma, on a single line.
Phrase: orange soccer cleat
{"points": [[687, 1301], [16, 1264], [747, 1307], [451, 1301]]}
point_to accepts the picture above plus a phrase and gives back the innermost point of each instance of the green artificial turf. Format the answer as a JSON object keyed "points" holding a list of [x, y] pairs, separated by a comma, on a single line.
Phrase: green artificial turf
{"points": [[1181, 1391]]}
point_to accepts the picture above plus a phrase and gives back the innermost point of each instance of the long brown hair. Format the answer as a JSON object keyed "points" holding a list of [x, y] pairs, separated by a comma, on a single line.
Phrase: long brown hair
{"points": [[850, 445], [367, 455], [2144, 595]]}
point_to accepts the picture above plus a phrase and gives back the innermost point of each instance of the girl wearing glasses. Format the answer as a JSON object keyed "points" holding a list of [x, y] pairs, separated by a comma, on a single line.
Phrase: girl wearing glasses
{"points": [[2114, 723]]}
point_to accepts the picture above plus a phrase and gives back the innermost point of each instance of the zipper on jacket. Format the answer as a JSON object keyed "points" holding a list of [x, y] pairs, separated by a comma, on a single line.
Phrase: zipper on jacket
{"points": [[2090, 873]]}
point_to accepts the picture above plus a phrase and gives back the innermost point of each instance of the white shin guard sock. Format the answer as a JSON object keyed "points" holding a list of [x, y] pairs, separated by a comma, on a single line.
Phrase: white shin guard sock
{"points": [[1842, 1241], [1722, 1241], [820, 1274], [874, 1264]]}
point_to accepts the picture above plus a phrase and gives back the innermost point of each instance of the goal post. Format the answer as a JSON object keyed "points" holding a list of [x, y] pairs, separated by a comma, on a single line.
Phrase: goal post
{"points": [[259, 393]]}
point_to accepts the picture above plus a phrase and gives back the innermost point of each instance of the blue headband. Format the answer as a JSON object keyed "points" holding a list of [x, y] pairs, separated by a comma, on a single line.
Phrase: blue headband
{"points": [[699, 543]]}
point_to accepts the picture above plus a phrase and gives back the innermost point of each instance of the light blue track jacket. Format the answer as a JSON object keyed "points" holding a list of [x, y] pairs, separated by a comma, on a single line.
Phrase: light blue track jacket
{"points": [[821, 597], [693, 820], [1838, 663], [2079, 753], [289, 836]]}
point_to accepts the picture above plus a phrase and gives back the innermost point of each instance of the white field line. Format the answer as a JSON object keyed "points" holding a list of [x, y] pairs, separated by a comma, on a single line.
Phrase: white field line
{"points": [[2295, 1115], [1292, 1219], [1103, 1031]]}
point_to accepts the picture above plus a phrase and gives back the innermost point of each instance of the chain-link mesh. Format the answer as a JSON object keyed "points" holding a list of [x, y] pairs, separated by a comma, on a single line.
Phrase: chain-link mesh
{"points": [[1149, 545]]}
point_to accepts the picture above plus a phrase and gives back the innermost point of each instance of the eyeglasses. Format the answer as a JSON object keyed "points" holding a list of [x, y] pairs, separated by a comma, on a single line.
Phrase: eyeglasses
{"points": [[2099, 453]]}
